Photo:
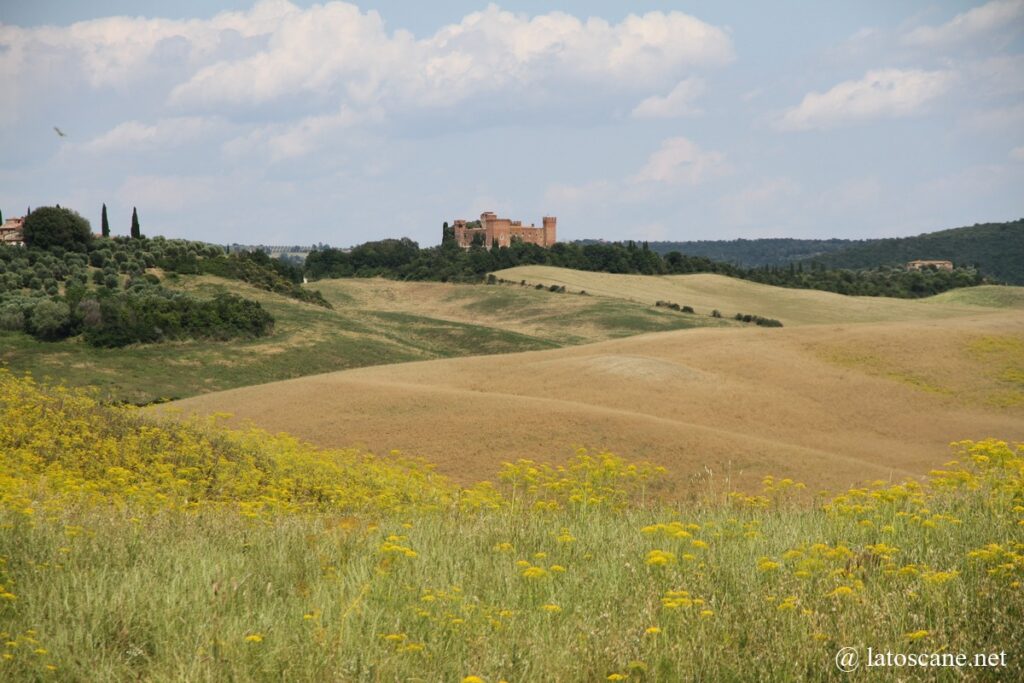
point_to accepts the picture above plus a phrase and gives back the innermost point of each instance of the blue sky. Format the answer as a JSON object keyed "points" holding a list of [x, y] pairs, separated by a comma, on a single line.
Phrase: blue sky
{"points": [[292, 122]]}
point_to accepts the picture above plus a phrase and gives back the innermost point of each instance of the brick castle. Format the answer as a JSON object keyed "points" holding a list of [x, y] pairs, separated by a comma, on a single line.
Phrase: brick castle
{"points": [[501, 231]]}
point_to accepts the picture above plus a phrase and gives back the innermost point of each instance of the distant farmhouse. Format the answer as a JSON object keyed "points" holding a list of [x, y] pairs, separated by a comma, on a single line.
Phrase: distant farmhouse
{"points": [[491, 230], [938, 265], [12, 232]]}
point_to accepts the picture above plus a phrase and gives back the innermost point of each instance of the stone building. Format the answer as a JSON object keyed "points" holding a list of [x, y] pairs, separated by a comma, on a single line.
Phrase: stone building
{"points": [[501, 231], [922, 264], [12, 232]]}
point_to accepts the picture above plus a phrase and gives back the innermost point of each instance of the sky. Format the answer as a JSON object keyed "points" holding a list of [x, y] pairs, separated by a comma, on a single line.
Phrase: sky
{"points": [[277, 122]]}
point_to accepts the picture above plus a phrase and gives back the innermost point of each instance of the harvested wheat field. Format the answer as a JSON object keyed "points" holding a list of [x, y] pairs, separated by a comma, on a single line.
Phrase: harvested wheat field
{"points": [[825, 404], [706, 292]]}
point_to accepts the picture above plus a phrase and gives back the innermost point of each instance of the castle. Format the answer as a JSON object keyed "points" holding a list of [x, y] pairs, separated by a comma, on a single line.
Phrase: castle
{"points": [[501, 231]]}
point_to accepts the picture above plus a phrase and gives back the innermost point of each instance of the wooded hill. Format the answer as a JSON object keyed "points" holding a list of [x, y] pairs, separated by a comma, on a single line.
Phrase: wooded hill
{"points": [[997, 249]]}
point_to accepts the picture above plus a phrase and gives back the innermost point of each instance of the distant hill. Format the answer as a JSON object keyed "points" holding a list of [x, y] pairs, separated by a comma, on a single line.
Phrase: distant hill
{"points": [[996, 248], [773, 251]]}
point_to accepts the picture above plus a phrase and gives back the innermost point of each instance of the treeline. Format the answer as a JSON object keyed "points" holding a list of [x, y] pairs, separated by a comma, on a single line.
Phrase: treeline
{"points": [[145, 313], [403, 259], [771, 251]]}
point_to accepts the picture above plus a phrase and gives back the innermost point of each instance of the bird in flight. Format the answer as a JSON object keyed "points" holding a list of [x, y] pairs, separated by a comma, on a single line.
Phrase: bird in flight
{"points": [[60, 132]]}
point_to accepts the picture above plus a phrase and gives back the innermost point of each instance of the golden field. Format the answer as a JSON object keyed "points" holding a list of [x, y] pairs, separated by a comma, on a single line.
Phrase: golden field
{"points": [[830, 403], [706, 292]]}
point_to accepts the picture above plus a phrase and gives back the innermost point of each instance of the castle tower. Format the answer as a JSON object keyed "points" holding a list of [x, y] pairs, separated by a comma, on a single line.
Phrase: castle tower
{"points": [[549, 230]]}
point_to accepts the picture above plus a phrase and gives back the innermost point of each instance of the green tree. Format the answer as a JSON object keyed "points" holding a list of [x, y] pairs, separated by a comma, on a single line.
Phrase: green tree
{"points": [[105, 224], [136, 233], [51, 226]]}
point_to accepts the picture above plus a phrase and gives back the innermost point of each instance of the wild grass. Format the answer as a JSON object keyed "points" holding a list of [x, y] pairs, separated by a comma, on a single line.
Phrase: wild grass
{"points": [[136, 550]]}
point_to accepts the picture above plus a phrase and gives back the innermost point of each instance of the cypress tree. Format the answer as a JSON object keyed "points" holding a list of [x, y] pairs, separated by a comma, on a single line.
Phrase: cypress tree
{"points": [[1, 217], [104, 224], [136, 234]]}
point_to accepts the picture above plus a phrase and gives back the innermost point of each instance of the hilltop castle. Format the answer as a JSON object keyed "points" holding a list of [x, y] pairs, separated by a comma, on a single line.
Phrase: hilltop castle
{"points": [[493, 230]]}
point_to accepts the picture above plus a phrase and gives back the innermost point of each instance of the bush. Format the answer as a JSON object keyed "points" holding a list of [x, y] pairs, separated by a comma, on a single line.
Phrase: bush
{"points": [[50, 320], [147, 314]]}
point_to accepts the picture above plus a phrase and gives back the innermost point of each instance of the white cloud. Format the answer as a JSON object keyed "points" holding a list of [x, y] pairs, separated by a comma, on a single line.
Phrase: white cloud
{"points": [[292, 140], [677, 162], [680, 161], [337, 47], [280, 62], [135, 136], [677, 103], [973, 24], [884, 93], [118, 51]]}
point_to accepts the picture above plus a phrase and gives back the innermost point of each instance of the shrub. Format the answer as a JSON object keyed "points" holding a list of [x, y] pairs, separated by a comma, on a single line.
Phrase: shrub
{"points": [[50, 320], [147, 314]]}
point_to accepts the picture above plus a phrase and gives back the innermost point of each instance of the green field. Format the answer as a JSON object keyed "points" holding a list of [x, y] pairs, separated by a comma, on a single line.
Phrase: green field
{"points": [[374, 322]]}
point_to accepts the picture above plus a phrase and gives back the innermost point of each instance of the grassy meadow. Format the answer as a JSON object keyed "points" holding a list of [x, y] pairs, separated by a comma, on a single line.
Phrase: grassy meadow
{"points": [[374, 322], [183, 551]]}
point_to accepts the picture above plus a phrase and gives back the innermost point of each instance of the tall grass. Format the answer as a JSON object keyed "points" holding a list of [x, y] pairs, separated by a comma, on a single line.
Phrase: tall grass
{"points": [[254, 565]]}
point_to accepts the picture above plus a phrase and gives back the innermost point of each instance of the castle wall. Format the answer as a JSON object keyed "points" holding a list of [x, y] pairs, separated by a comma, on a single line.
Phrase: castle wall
{"points": [[500, 231]]}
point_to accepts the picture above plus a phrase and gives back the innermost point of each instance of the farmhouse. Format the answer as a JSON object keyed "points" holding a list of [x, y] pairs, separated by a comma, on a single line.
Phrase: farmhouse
{"points": [[922, 264], [11, 232], [501, 231]]}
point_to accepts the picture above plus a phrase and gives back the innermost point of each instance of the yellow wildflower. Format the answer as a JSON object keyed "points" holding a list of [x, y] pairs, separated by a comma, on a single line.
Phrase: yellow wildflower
{"points": [[660, 558]]}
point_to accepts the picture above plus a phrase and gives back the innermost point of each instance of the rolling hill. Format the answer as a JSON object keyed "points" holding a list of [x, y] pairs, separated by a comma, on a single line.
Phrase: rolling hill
{"points": [[373, 322], [706, 292], [827, 403]]}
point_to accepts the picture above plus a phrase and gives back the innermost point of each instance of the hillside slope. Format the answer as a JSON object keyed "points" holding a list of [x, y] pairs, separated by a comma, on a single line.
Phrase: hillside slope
{"points": [[827, 404], [706, 292], [997, 249], [373, 322], [751, 253]]}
